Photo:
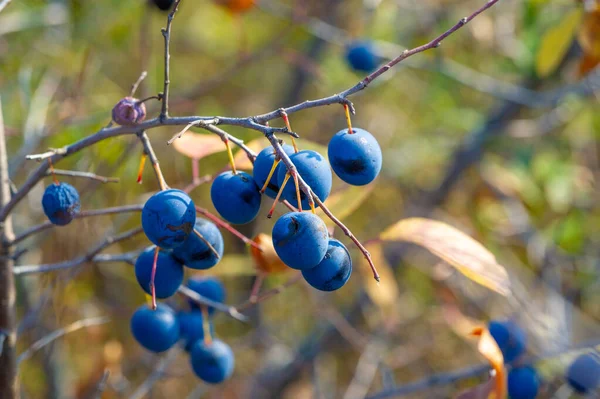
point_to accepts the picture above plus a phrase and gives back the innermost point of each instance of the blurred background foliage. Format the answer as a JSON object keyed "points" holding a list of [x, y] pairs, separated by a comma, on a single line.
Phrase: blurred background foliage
{"points": [[495, 133]]}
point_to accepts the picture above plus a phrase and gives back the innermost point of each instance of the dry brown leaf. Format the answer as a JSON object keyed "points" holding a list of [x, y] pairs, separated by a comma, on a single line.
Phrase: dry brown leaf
{"points": [[455, 247]]}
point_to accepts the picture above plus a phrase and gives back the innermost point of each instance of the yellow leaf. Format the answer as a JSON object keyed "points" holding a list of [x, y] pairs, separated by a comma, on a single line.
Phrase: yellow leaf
{"points": [[231, 265], [198, 146], [384, 294], [345, 202], [488, 347], [555, 43], [241, 160], [455, 247]]}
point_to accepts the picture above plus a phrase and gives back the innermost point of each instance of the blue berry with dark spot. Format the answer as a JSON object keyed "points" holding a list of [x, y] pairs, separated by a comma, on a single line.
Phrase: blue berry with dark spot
{"points": [[156, 330], [236, 197], [523, 383], [355, 157], [361, 56], [61, 203], [168, 218], [262, 167], [191, 328], [583, 375], [511, 338], [194, 253], [212, 363], [208, 287], [300, 239], [333, 271], [314, 169], [169, 272]]}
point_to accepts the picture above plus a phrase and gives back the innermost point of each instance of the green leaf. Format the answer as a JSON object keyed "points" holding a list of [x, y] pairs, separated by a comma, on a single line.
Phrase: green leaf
{"points": [[556, 42]]}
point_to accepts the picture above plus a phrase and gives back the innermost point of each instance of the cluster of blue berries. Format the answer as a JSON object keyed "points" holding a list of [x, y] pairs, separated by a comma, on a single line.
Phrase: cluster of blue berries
{"points": [[61, 203], [583, 375], [159, 330]]}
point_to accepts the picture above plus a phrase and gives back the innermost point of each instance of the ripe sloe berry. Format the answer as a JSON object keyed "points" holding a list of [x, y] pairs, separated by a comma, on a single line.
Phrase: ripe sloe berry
{"points": [[262, 167], [156, 330], [168, 218], [355, 158], [208, 287], [314, 169], [191, 328], [236, 197], [212, 363], [333, 271], [169, 272], [164, 5], [523, 383], [361, 56], [129, 111], [194, 253], [583, 375], [511, 338], [300, 239], [61, 203]]}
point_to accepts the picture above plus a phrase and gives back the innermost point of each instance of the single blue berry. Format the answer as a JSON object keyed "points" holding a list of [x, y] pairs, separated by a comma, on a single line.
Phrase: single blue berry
{"points": [[361, 56], [511, 338], [333, 271], [300, 239], [236, 197], [168, 218], [355, 157], [61, 203], [194, 253], [191, 328], [164, 5], [583, 375], [212, 363], [262, 167], [169, 272], [156, 330], [208, 287], [523, 383], [314, 169]]}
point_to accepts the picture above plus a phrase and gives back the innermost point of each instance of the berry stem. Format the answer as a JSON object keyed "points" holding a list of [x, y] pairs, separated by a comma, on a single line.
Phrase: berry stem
{"points": [[295, 175], [141, 168], [148, 150], [206, 325], [286, 120], [348, 233], [287, 177], [227, 227], [153, 276], [52, 172], [230, 155], [271, 172], [260, 277], [208, 244], [348, 119]]}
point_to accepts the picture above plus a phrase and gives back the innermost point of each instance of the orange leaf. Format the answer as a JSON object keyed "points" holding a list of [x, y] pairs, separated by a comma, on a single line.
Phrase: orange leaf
{"points": [[589, 34], [586, 64], [241, 159], [488, 347], [267, 260], [198, 146]]}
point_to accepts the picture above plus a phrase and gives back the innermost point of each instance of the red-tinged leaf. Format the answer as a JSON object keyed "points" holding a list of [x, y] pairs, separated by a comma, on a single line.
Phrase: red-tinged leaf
{"points": [[455, 247], [198, 146]]}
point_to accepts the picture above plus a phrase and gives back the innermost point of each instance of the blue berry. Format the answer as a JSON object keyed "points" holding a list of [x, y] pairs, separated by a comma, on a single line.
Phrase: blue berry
{"points": [[333, 271], [583, 375], [61, 203], [194, 253], [361, 56], [300, 239], [212, 363], [315, 171], [191, 328], [168, 218], [355, 158], [262, 167], [511, 339], [236, 197], [169, 272], [156, 330], [208, 287], [523, 383], [164, 5]]}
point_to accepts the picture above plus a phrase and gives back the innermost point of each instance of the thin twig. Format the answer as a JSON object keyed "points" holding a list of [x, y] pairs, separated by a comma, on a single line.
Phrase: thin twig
{"points": [[39, 344], [84, 214], [201, 300], [166, 32], [158, 372], [86, 175], [101, 385], [3, 4], [270, 293]]}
